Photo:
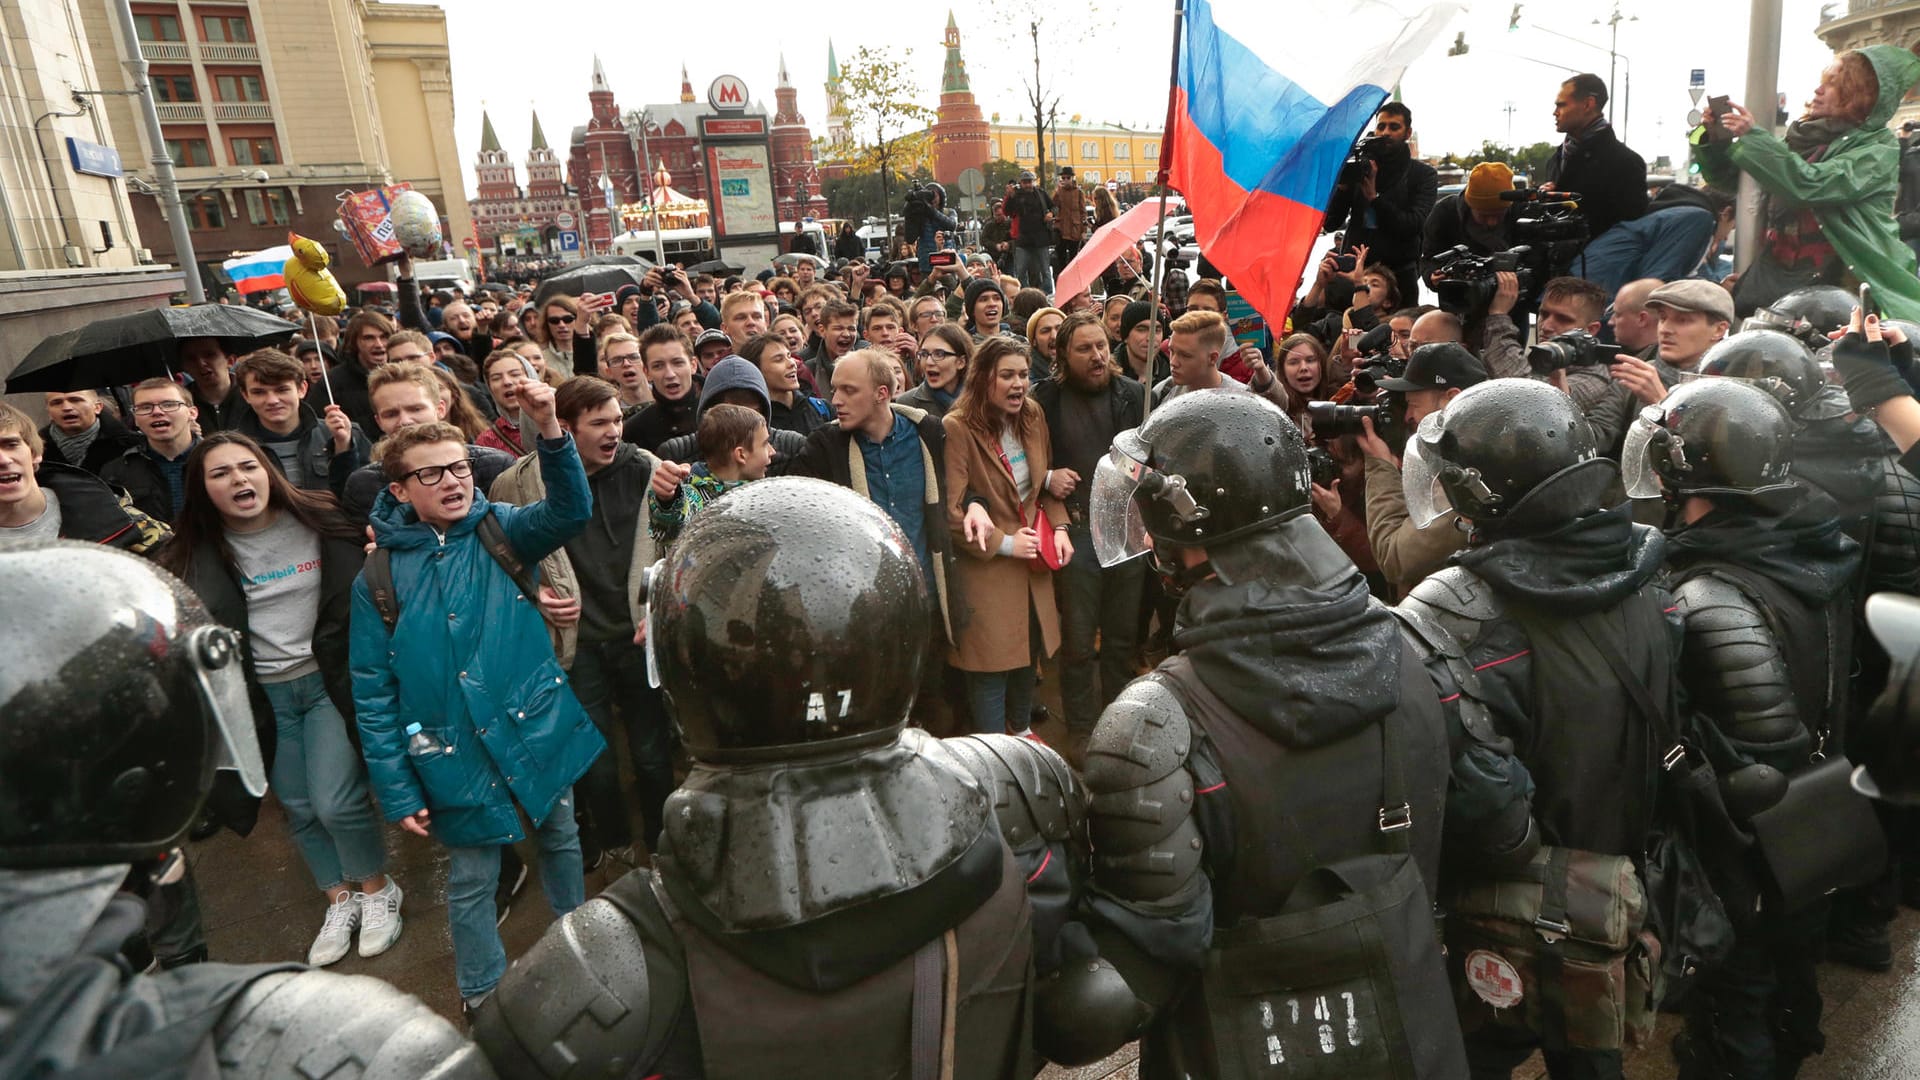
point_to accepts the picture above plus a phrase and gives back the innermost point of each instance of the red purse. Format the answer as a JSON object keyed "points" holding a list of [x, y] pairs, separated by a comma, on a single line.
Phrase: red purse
{"points": [[1048, 554]]}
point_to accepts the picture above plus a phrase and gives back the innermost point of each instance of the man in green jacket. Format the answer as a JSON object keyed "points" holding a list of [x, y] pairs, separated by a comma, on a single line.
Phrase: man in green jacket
{"points": [[1831, 181]]}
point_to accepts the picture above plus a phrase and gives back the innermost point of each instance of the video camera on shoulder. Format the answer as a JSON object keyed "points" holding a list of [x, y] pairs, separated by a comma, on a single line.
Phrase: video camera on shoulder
{"points": [[1466, 282], [1370, 148], [1575, 348]]}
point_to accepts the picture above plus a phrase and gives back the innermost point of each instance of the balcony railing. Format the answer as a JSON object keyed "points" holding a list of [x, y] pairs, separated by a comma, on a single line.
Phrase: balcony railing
{"points": [[227, 111], [229, 54], [183, 111], [164, 50]]}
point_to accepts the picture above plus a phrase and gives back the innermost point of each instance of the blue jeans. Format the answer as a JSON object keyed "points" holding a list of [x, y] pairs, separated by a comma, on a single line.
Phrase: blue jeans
{"points": [[1002, 700], [1666, 244], [1103, 605], [1034, 267], [322, 782], [479, 960], [610, 677]]}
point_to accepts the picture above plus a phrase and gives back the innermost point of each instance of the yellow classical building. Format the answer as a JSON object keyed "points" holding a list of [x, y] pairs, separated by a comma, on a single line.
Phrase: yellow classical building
{"points": [[1097, 152]]}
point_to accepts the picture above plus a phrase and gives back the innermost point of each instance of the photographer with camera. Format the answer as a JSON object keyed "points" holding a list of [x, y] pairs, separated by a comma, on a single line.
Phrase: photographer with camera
{"points": [[1569, 354], [1383, 197], [1611, 178], [926, 217], [1477, 218], [1434, 376]]}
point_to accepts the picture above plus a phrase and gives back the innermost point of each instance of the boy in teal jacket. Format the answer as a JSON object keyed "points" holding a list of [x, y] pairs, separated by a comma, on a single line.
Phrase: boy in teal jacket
{"points": [[469, 661]]}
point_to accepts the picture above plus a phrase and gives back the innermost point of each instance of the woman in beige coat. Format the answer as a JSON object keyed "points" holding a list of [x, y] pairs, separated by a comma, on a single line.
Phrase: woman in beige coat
{"points": [[997, 467]]}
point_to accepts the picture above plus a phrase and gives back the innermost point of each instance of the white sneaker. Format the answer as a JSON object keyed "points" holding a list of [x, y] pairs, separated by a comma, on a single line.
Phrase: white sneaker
{"points": [[380, 919], [336, 933]]}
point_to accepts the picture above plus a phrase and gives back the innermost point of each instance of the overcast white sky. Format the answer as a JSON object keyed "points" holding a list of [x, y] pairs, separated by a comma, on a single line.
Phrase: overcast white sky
{"points": [[513, 56]]}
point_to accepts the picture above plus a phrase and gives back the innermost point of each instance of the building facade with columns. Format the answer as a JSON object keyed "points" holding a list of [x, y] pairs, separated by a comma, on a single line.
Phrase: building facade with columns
{"points": [[323, 96], [1855, 24]]}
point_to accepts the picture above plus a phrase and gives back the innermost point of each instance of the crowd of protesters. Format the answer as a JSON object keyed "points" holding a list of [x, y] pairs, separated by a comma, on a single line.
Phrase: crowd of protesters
{"points": [[433, 523]]}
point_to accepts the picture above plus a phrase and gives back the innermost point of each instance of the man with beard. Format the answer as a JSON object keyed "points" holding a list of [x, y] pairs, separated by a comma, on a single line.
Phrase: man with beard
{"points": [[1386, 209], [606, 561], [1762, 576], [1556, 604], [1086, 407]]}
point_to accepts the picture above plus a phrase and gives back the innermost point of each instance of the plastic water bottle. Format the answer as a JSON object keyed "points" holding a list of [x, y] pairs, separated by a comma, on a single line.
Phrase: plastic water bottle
{"points": [[421, 744]]}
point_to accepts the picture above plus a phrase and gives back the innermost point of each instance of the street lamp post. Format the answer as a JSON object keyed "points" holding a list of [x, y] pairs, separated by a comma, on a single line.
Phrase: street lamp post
{"points": [[162, 162], [637, 120]]}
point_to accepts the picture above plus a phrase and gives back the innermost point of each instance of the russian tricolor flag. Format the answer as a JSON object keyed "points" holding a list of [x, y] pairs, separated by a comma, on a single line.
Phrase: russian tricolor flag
{"points": [[260, 271], [1269, 100]]}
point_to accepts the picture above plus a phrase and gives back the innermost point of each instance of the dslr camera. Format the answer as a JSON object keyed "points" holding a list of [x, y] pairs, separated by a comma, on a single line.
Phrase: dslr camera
{"points": [[1575, 348], [1386, 409]]}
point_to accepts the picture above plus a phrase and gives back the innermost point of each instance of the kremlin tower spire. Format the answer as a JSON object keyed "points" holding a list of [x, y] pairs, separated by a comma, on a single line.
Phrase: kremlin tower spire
{"points": [[686, 85], [960, 135]]}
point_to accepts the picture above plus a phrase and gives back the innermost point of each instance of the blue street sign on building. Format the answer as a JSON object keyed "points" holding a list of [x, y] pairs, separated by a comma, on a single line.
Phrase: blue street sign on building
{"points": [[569, 240], [92, 159], [1697, 77]]}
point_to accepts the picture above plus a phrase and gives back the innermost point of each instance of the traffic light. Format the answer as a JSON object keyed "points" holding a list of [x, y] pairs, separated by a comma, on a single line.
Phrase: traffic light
{"points": [[1513, 20]]}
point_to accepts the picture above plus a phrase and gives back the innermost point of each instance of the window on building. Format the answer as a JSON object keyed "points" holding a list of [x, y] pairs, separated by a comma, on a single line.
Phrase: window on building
{"points": [[1023, 148], [224, 28], [174, 87], [1093, 176], [153, 27], [254, 150], [1123, 176], [1120, 151], [1151, 151], [269, 207], [206, 212], [1059, 150], [1090, 150], [239, 88], [190, 153]]}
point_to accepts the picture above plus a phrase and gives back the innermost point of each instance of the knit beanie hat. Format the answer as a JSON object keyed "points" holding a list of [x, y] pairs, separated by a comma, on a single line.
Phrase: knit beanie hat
{"points": [[1485, 183], [1136, 313], [976, 288]]}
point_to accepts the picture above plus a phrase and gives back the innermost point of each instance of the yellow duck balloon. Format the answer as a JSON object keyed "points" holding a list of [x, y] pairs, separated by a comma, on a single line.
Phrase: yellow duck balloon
{"points": [[309, 282]]}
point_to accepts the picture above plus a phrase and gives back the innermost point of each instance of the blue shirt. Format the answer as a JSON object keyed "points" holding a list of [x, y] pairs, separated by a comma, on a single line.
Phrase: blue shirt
{"points": [[174, 471], [897, 483]]}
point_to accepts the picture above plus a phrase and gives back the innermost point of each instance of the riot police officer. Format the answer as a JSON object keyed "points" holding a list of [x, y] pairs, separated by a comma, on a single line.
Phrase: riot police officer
{"points": [[835, 895], [1556, 604], [1846, 457], [119, 700], [1762, 577], [1286, 765]]}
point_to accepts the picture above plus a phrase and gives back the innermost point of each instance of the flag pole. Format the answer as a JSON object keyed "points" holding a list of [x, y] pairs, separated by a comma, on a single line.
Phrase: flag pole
{"points": [[1160, 230], [313, 325]]}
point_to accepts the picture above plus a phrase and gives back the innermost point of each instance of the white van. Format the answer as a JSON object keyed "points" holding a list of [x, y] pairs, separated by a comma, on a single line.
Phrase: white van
{"points": [[444, 274]]}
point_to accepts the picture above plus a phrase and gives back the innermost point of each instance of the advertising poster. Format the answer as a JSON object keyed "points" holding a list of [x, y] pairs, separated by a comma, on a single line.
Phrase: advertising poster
{"points": [[743, 184]]}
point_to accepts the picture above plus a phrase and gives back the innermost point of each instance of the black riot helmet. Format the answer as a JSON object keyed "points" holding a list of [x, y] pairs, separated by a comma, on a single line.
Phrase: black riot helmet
{"points": [[1710, 437], [1885, 743], [1509, 455], [1809, 313], [1779, 363], [785, 621], [1205, 469], [119, 697]]}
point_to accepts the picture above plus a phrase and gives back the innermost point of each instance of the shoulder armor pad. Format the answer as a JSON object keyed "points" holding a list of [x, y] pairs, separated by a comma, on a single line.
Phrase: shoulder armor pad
{"points": [[355, 1027], [1034, 792], [582, 1001], [1707, 602], [1141, 738], [1459, 592]]}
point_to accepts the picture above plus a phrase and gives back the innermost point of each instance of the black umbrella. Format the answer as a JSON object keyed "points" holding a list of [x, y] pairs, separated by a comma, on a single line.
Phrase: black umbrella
{"points": [[128, 348], [589, 278], [718, 267]]}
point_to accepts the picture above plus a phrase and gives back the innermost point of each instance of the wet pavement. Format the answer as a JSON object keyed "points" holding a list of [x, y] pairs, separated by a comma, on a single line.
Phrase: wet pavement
{"points": [[260, 905]]}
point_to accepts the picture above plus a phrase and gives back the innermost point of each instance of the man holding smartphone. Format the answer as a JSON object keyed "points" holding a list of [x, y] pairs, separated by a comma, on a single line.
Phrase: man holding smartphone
{"points": [[1694, 314]]}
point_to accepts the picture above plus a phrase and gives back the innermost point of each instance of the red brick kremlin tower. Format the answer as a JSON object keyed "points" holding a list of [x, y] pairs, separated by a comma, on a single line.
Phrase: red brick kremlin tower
{"points": [[960, 136], [793, 167], [608, 152]]}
